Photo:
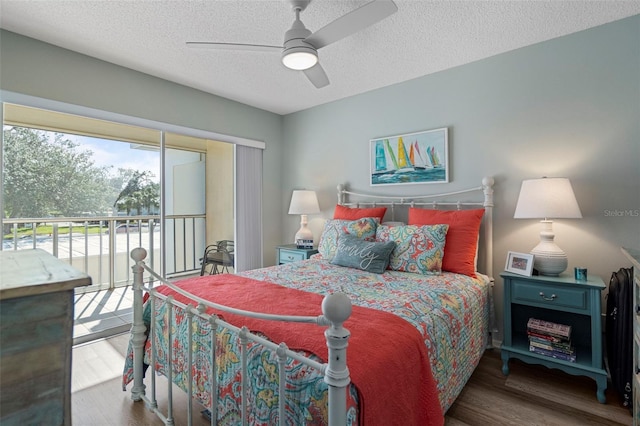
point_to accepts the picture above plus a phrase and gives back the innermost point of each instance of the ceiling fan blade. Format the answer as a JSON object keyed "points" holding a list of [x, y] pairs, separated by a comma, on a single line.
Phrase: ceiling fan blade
{"points": [[352, 22], [233, 46], [317, 76]]}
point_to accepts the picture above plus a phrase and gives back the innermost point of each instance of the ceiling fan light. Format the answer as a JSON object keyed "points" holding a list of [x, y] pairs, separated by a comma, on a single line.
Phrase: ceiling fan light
{"points": [[299, 59]]}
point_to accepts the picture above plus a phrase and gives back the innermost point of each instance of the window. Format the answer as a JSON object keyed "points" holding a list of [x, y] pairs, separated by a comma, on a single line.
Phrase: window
{"points": [[103, 188]]}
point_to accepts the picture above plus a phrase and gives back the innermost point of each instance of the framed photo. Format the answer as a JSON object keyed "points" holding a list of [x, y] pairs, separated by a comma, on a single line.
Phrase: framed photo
{"points": [[304, 244], [519, 263], [421, 157]]}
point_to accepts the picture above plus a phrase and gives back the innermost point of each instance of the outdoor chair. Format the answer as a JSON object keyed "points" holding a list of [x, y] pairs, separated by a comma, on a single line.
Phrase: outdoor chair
{"points": [[220, 256]]}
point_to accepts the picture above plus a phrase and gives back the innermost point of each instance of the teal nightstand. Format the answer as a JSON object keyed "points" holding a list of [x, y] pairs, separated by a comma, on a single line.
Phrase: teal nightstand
{"points": [[290, 253], [562, 300]]}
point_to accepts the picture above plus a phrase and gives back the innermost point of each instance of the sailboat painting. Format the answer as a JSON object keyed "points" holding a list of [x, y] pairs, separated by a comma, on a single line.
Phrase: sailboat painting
{"points": [[421, 157]]}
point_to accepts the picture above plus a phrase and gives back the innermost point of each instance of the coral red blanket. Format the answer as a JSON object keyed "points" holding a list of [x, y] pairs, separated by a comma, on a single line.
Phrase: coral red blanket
{"points": [[386, 357]]}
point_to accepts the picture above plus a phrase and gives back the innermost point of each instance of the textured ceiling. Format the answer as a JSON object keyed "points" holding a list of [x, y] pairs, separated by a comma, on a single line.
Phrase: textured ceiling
{"points": [[423, 37]]}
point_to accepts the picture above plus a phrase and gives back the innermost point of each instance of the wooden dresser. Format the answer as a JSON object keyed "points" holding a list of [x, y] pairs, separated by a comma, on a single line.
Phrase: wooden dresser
{"points": [[36, 334], [634, 257]]}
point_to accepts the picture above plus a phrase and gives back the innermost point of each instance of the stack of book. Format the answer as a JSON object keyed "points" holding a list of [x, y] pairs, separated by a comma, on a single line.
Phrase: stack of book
{"points": [[550, 339]]}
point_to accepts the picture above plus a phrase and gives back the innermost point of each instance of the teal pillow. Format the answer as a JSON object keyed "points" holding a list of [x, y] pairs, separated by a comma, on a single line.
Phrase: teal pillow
{"points": [[361, 254], [364, 228]]}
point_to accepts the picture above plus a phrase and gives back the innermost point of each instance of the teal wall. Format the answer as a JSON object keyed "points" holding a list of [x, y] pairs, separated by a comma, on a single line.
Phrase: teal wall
{"points": [[567, 107]]}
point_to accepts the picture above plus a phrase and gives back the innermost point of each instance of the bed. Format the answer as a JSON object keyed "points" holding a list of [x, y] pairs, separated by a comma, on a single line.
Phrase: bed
{"points": [[399, 344]]}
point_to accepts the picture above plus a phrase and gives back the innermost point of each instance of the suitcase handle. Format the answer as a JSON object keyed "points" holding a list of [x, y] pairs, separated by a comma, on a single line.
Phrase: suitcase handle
{"points": [[553, 296]]}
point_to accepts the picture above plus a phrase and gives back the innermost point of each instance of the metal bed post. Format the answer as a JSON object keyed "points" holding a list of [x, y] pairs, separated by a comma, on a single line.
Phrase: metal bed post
{"points": [[341, 190], [336, 308], [190, 309], [487, 188], [244, 387], [281, 353], [213, 381], [138, 328], [169, 419]]}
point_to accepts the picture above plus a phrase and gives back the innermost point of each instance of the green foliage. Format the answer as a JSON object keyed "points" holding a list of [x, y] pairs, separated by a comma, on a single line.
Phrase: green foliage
{"points": [[48, 230], [49, 175], [139, 193]]}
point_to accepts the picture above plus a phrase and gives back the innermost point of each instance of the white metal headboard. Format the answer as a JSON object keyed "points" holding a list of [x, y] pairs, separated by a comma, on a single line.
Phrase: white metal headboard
{"points": [[435, 201]]}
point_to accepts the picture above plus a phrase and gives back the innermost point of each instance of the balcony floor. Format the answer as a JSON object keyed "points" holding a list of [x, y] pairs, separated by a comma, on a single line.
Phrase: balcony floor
{"points": [[102, 314]]}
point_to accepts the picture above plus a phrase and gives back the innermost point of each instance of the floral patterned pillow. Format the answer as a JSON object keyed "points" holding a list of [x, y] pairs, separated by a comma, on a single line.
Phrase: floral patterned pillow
{"points": [[364, 228], [419, 249]]}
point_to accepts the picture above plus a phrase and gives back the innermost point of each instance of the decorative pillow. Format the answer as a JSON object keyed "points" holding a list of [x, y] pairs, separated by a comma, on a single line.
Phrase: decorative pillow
{"points": [[348, 213], [462, 237], [369, 256], [419, 249], [364, 228]]}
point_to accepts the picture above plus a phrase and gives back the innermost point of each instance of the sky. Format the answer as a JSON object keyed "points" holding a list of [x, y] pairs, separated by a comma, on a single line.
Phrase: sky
{"points": [[115, 154], [119, 155]]}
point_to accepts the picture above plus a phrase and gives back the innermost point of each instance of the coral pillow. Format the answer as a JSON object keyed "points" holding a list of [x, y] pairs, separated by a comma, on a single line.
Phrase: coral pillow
{"points": [[348, 213], [462, 236]]}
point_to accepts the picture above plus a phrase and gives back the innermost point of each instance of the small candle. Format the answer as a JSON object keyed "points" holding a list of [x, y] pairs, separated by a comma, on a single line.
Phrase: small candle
{"points": [[580, 274]]}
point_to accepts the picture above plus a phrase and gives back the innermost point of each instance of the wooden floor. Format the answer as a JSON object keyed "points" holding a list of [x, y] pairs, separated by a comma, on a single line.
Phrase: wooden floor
{"points": [[530, 395]]}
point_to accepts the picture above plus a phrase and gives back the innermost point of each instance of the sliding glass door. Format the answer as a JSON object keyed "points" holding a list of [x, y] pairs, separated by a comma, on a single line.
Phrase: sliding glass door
{"points": [[88, 191]]}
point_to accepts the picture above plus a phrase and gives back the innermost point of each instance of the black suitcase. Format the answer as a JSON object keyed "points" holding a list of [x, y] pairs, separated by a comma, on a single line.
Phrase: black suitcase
{"points": [[619, 333]]}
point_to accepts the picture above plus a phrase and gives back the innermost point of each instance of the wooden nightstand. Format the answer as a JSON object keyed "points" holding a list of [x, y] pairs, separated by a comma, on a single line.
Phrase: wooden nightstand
{"points": [[561, 300], [290, 253]]}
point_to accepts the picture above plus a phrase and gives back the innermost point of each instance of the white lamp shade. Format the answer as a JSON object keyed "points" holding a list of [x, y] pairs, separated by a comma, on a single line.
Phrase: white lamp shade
{"points": [[547, 198], [304, 202]]}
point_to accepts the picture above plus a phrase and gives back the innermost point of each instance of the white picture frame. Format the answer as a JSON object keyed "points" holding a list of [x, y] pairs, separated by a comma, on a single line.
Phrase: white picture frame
{"points": [[519, 263]]}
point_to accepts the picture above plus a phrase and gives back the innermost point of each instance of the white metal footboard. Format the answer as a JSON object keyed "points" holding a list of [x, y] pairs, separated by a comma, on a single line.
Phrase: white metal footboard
{"points": [[336, 308]]}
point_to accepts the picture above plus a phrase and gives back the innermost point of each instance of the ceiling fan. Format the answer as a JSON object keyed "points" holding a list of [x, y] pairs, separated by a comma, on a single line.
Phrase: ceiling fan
{"points": [[300, 49]]}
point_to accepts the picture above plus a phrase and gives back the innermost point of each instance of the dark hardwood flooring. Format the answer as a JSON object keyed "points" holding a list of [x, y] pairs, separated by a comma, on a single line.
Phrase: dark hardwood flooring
{"points": [[530, 395]]}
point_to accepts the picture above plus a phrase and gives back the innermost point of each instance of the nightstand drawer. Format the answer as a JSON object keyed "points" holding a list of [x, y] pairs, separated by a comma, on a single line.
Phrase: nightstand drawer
{"points": [[288, 256], [549, 296]]}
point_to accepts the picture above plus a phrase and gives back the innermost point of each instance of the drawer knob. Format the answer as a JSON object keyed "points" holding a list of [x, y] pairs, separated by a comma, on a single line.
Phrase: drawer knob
{"points": [[553, 296]]}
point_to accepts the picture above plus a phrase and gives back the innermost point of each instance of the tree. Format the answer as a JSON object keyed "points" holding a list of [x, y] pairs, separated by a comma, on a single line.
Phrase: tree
{"points": [[45, 176], [139, 193]]}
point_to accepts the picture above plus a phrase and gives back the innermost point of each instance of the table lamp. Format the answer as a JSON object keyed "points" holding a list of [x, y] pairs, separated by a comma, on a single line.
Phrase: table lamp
{"points": [[304, 202], [546, 199]]}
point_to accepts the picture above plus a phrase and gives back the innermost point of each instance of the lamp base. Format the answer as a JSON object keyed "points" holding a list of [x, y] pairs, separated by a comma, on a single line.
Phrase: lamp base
{"points": [[548, 258], [550, 264], [303, 233]]}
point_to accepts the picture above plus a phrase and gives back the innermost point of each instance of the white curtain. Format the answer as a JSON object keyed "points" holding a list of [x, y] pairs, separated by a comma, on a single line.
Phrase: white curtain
{"points": [[248, 200]]}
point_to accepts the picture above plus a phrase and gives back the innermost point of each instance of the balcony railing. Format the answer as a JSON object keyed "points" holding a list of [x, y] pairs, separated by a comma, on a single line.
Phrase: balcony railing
{"points": [[100, 246]]}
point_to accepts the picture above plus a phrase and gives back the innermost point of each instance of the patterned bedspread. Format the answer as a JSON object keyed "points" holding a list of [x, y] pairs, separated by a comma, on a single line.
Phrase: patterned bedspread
{"points": [[451, 312]]}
